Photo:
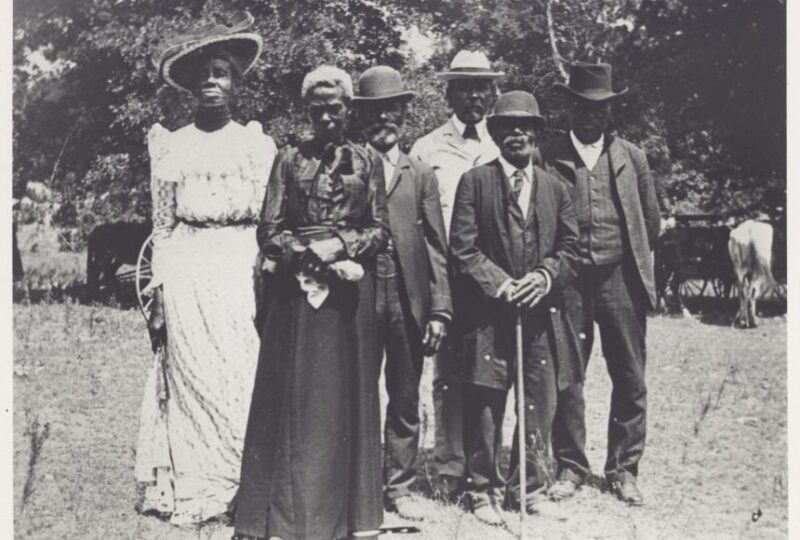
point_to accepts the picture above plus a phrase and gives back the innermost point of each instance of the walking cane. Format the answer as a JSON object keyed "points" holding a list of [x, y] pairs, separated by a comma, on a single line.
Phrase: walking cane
{"points": [[521, 428]]}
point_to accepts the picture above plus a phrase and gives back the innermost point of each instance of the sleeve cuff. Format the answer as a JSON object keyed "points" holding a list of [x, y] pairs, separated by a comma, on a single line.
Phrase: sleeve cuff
{"points": [[442, 316], [548, 280]]}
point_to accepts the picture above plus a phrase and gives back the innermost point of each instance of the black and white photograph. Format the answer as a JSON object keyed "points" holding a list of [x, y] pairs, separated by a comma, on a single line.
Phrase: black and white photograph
{"points": [[362, 269]]}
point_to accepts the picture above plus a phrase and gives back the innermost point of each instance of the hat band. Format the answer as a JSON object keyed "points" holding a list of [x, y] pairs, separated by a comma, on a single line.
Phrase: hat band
{"points": [[469, 70]]}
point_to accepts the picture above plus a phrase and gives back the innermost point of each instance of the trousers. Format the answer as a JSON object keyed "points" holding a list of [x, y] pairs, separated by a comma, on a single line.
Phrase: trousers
{"points": [[613, 296], [400, 338], [484, 409]]}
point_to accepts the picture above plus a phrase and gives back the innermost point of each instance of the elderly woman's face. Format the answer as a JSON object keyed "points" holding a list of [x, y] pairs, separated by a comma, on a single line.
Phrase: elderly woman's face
{"points": [[327, 111], [214, 82]]}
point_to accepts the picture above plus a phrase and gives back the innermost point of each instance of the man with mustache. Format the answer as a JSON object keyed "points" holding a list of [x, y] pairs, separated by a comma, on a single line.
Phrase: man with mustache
{"points": [[513, 244], [413, 294], [618, 217], [452, 149]]}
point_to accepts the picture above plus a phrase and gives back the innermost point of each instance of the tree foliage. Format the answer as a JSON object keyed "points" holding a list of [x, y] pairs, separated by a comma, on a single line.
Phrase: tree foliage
{"points": [[707, 81]]}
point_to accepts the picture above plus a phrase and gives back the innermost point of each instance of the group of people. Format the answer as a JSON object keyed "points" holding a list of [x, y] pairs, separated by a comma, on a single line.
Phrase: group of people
{"points": [[363, 253]]}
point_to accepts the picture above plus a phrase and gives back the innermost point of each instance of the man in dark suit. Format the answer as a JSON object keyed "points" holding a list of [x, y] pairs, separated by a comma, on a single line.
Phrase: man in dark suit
{"points": [[618, 218], [413, 294], [513, 247]]}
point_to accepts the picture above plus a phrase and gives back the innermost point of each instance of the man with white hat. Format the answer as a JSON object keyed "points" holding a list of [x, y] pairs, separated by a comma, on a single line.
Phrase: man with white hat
{"points": [[452, 149]]}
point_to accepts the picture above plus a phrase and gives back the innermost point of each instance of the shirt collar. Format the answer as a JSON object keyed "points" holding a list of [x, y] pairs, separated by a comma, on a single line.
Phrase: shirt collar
{"points": [[597, 145], [510, 169], [480, 127], [391, 155]]}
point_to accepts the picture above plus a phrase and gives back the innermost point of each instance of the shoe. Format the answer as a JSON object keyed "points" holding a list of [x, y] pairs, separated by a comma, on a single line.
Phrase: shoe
{"points": [[564, 488], [489, 514], [627, 492], [411, 507], [537, 503]]}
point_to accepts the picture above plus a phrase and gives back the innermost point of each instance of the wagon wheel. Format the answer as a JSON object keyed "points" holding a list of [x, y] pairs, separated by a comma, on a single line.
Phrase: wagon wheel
{"points": [[144, 275], [777, 291], [689, 288]]}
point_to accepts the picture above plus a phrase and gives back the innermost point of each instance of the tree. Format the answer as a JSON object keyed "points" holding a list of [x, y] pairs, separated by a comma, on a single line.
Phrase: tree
{"points": [[83, 129]]}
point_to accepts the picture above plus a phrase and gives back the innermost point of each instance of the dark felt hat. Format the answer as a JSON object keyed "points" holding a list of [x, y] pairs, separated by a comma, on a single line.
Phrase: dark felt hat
{"points": [[591, 82], [174, 59], [381, 83], [516, 104]]}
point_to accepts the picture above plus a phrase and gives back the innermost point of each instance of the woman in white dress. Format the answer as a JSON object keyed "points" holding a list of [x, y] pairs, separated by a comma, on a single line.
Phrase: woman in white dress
{"points": [[208, 183]]}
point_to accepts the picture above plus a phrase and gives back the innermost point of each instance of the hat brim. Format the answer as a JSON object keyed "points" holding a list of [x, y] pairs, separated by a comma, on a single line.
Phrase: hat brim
{"points": [[404, 96], [176, 70], [516, 114], [597, 96], [461, 75]]}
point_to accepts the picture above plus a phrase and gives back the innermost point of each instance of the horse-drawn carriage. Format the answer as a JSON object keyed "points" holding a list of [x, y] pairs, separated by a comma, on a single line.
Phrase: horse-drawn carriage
{"points": [[118, 255], [692, 260]]}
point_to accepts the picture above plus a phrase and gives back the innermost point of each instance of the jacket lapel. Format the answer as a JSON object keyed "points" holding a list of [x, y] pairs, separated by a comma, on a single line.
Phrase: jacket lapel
{"points": [[564, 158], [401, 171], [622, 176], [500, 206]]}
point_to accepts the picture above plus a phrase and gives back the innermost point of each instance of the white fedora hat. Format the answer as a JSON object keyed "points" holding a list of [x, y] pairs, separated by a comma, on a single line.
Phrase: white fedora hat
{"points": [[469, 65]]}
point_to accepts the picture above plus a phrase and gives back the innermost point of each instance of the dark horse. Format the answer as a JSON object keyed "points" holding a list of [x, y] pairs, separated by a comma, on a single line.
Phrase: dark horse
{"points": [[109, 246]]}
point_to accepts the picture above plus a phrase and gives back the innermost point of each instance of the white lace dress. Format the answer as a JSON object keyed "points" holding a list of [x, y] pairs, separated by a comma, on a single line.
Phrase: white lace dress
{"points": [[208, 189]]}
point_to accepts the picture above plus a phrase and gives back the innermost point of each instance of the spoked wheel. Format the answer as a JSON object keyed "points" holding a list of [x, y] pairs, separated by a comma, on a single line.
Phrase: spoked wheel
{"points": [[777, 291], [690, 289], [144, 275]]}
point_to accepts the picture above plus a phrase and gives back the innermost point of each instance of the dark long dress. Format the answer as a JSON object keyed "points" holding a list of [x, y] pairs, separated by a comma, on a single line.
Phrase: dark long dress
{"points": [[312, 457]]}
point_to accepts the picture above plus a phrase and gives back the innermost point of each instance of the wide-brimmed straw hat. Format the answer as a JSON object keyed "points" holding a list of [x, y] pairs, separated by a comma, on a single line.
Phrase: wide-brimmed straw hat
{"points": [[469, 65], [516, 104], [381, 83], [174, 59], [591, 82]]}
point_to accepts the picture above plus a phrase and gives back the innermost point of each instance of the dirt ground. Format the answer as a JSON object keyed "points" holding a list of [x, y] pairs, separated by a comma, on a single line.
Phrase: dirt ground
{"points": [[715, 464]]}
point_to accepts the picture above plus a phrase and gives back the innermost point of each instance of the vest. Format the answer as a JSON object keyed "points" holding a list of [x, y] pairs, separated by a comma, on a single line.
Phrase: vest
{"points": [[523, 236], [599, 213]]}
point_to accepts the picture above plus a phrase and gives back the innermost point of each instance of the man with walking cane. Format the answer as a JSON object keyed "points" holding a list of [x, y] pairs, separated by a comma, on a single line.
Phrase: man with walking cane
{"points": [[513, 244]]}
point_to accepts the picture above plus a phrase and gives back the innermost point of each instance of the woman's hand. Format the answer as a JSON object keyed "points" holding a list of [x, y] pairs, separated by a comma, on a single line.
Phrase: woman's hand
{"points": [[327, 250], [156, 324]]}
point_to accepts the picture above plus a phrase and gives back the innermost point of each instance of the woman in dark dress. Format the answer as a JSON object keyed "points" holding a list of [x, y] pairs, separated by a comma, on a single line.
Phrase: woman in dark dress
{"points": [[312, 457]]}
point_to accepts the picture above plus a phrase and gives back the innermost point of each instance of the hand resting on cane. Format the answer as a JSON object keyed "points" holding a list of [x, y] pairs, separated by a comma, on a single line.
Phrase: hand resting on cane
{"points": [[530, 289]]}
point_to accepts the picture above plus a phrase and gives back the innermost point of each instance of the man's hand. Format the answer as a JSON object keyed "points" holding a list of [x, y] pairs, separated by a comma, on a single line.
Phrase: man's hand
{"points": [[530, 290], [435, 333], [507, 294], [327, 250]]}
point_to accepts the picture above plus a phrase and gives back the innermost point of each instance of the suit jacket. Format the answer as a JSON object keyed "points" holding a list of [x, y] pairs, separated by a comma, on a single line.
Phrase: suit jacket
{"points": [[635, 186], [480, 255], [417, 228], [450, 156]]}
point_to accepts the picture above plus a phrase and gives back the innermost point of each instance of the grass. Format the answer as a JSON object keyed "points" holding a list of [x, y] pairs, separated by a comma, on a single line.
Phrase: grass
{"points": [[715, 464]]}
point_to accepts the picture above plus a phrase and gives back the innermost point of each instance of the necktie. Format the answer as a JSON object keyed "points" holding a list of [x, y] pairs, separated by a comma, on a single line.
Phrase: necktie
{"points": [[518, 178], [471, 133]]}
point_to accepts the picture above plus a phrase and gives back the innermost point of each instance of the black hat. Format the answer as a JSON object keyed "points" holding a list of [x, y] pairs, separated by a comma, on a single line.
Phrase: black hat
{"points": [[591, 82], [516, 104]]}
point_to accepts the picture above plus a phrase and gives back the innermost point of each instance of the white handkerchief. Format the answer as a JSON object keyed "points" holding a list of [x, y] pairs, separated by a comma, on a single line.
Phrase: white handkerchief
{"points": [[317, 292]]}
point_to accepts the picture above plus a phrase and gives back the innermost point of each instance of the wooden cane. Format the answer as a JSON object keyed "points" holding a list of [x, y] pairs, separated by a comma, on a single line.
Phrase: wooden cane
{"points": [[521, 426]]}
